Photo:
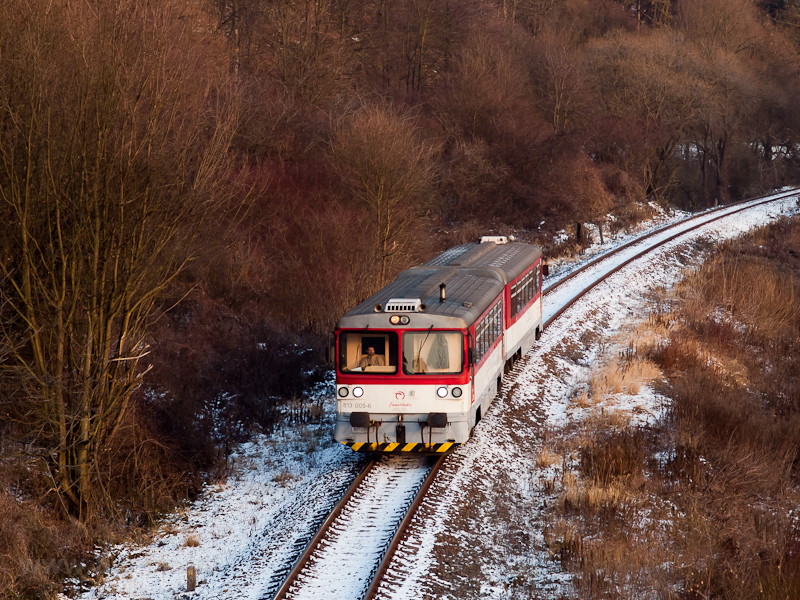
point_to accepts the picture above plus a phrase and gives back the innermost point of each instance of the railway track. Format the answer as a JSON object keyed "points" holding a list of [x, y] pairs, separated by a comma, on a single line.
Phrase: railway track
{"points": [[351, 552], [608, 263]]}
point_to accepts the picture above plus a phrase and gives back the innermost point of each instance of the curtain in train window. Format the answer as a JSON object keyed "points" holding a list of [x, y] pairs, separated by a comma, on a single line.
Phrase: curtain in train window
{"points": [[516, 299], [433, 352], [528, 290], [439, 357]]}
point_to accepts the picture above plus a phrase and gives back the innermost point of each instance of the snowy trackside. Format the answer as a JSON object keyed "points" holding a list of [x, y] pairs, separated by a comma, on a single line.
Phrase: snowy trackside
{"points": [[242, 535], [479, 532], [561, 295]]}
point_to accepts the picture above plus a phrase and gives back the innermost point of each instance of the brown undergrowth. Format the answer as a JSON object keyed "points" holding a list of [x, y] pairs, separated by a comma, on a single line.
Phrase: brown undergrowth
{"points": [[43, 549], [702, 503]]}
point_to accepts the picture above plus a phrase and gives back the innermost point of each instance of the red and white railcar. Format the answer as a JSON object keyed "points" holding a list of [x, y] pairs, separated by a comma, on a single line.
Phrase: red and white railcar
{"points": [[441, 337]]}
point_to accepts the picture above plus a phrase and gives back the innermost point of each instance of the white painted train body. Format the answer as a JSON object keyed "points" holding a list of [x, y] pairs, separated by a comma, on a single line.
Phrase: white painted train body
{"points": [[419, 362]]}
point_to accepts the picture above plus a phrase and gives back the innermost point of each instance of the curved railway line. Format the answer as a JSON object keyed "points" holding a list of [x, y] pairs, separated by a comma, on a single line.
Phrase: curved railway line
{"points": [[372, 517], [701, 218]]}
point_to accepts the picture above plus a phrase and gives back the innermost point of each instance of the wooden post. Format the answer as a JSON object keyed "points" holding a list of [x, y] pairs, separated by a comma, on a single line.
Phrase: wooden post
{"points": [[191, 578]]}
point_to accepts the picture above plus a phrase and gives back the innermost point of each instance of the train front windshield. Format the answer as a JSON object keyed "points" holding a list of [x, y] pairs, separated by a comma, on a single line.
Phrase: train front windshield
{"points": [[434, 352], [368, 352], [422, 353]]}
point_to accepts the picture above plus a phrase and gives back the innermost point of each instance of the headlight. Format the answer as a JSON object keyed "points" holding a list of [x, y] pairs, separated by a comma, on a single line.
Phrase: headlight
{"points": [[441, 392], [394, 319], [343, 391], [358, 392], [456, 392]]}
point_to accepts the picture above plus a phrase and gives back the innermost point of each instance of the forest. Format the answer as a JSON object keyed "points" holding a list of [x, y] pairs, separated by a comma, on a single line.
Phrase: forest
{"points": [[192, 192]]}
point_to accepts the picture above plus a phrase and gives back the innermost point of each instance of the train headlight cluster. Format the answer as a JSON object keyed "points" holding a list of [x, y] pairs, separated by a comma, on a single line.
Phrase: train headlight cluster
{"points": [[358, 392], [455, 392], [343, 391], [399, 320]]}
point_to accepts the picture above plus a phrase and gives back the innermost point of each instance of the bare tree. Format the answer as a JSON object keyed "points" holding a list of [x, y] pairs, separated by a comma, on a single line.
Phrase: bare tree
{"points": [[114, 133], [486, 78], [409, 43], [729, 25], [651, 82], [388, 169], [732, 100], [533, 14], [649, 12], [727, 36], [557, 74]]}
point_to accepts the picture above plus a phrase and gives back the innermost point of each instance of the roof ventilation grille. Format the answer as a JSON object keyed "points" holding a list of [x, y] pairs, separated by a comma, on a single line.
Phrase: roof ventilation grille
{"points": [[497, 239], [403, 305]]}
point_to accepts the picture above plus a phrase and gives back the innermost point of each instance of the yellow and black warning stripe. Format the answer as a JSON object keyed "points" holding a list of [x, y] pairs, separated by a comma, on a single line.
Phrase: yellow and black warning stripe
{"points": [[412, 447]]}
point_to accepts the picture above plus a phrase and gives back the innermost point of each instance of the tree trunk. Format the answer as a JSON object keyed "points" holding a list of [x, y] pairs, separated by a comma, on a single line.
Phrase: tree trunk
{"points": [[96, 184]]}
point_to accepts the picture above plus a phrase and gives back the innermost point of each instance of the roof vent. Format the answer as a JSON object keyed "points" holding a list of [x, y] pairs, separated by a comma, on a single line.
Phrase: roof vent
{"points": [[496, 239], [403, 305]]}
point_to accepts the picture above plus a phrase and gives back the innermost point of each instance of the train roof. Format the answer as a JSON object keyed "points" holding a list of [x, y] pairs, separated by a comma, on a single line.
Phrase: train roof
{"points": [[473, 274]]}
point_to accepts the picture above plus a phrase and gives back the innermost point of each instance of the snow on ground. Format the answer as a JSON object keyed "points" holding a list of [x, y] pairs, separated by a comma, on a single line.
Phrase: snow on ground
{"points": [[480, 533], [563, 266], [240, 534]]}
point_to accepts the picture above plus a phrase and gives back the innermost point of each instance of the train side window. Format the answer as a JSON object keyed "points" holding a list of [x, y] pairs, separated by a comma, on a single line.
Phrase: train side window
{"points": [[517, 298], [528, 289], [488, 330], [525, 290]]}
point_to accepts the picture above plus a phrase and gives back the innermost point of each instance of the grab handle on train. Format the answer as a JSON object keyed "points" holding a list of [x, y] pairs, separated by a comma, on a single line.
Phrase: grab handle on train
{"points": [[330, 349]]}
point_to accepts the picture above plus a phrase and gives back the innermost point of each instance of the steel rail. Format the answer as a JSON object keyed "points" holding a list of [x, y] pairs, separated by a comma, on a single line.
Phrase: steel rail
{"points": [[574, 299], [401, 529], [300, 563], [654, 232]]}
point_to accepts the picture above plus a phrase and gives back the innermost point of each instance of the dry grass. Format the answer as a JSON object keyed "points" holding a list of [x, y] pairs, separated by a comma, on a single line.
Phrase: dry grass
{"points": [[593, 498], [563, 540], [583, 400], [284, 478], [37, 548], [623, 378], [613, 456], [627, 370], [547, 458], [699, 505]]}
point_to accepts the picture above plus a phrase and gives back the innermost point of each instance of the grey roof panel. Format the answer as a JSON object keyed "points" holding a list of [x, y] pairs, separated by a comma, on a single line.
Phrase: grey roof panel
{"points": [[447, 256], [474, 275], [511, 259]]}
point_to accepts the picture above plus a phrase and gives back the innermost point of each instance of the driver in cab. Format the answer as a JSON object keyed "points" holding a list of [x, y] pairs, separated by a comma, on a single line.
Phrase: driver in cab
{"points": [[371, 359]]}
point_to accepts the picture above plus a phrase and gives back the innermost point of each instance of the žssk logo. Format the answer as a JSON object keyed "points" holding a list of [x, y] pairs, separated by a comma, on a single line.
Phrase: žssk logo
{"points": [[400, 396]]}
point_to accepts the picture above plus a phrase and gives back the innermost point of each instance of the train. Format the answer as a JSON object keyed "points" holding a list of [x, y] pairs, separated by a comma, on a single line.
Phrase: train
{"points": [[419, 362]]}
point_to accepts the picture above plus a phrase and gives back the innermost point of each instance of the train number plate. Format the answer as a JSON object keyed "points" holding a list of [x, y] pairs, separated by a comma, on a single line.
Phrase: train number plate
{"points": [[345, 406]]}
